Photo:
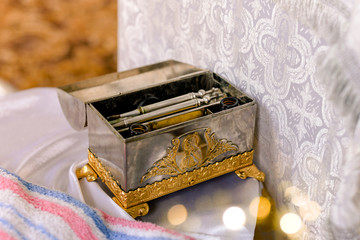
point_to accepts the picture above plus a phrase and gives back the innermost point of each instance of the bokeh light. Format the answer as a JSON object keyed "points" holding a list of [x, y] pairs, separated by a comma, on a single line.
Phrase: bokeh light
{"points": [[296, 196], [177, 214], [234, 218], [310, 211], [290, 223], [260, 207]]}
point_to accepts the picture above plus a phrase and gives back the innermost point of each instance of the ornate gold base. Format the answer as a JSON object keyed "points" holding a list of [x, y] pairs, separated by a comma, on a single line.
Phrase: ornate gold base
{"points": [[136, 211], [251, 171], [135, 201], [88, 172]]}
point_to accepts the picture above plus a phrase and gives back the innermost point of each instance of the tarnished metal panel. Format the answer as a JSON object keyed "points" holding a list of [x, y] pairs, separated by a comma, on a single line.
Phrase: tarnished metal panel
{"points": [[106, 142], [185, 145]]}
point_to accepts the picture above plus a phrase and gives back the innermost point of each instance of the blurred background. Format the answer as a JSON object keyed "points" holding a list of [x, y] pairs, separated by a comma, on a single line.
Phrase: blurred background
{"points": [[57, 42]]}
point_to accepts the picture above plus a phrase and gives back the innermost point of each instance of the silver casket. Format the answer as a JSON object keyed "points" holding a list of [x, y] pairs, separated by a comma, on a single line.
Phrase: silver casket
{"points": [[164, 127]]}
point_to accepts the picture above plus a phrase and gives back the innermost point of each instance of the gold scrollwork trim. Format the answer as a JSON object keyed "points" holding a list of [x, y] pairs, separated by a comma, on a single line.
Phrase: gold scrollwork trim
{"points": [[192, 155], [169, 185], [107, 178], [136, 211], [251, 171]]}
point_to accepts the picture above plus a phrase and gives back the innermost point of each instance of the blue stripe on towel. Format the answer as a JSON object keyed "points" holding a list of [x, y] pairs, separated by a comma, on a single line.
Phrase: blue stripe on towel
{"points": [[27, 221], [10, 226], [66, 198], [87, 210]]}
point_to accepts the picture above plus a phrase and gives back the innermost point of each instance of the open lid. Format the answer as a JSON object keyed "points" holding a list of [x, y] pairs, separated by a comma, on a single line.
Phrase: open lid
{"points": [[114, 84]]}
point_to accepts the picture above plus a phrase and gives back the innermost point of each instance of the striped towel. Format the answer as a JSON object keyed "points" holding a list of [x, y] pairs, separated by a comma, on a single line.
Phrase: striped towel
{"points": [[28, 211]]}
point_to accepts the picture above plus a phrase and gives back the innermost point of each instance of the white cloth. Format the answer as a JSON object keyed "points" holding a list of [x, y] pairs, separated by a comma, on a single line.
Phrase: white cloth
{"points": [[38, 144]]}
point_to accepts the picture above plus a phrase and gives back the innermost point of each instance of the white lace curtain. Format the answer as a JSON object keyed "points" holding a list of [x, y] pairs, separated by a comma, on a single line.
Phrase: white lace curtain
{"points": [[339, 71], [299, 59]]}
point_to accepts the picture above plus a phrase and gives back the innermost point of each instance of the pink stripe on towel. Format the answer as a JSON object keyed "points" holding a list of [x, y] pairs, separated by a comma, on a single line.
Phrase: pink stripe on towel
{"points": [[76, 223], [141, 225], [5, 236]]}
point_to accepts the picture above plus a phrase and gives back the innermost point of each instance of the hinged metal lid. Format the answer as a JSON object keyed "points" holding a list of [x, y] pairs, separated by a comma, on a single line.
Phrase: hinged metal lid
{"points": [[115, 84]]}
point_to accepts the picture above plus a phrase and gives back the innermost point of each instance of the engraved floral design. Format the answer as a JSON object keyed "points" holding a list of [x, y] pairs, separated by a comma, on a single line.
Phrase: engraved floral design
{"points": [[194, 154], [134, 198]]}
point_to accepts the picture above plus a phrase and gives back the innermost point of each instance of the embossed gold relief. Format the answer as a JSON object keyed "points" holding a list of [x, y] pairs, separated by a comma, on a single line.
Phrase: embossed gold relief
{"points": [[195, 153], [155, 190], [217, 147]]}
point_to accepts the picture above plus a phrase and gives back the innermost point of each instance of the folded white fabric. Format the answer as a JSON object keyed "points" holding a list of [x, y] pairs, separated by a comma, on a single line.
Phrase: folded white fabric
{"points": [[40, 146], [40, 195]]}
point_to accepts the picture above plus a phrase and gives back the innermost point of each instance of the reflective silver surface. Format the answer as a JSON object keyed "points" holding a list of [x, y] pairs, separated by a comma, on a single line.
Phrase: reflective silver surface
{"points": [[106, 142], [115, 84], [203, 207], [144, 152], [134, 155], [73, 108], [193, 103], [166, 103]]}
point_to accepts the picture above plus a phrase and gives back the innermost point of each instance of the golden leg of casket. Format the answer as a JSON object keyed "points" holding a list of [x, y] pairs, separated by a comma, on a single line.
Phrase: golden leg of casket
{"points": [[135, 211], [88, 172], [251, 171]]}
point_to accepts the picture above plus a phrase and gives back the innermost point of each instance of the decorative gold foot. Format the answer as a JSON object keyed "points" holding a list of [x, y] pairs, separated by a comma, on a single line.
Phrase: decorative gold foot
{"points": [[136, 211], [86, 171], [251, 171]]}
